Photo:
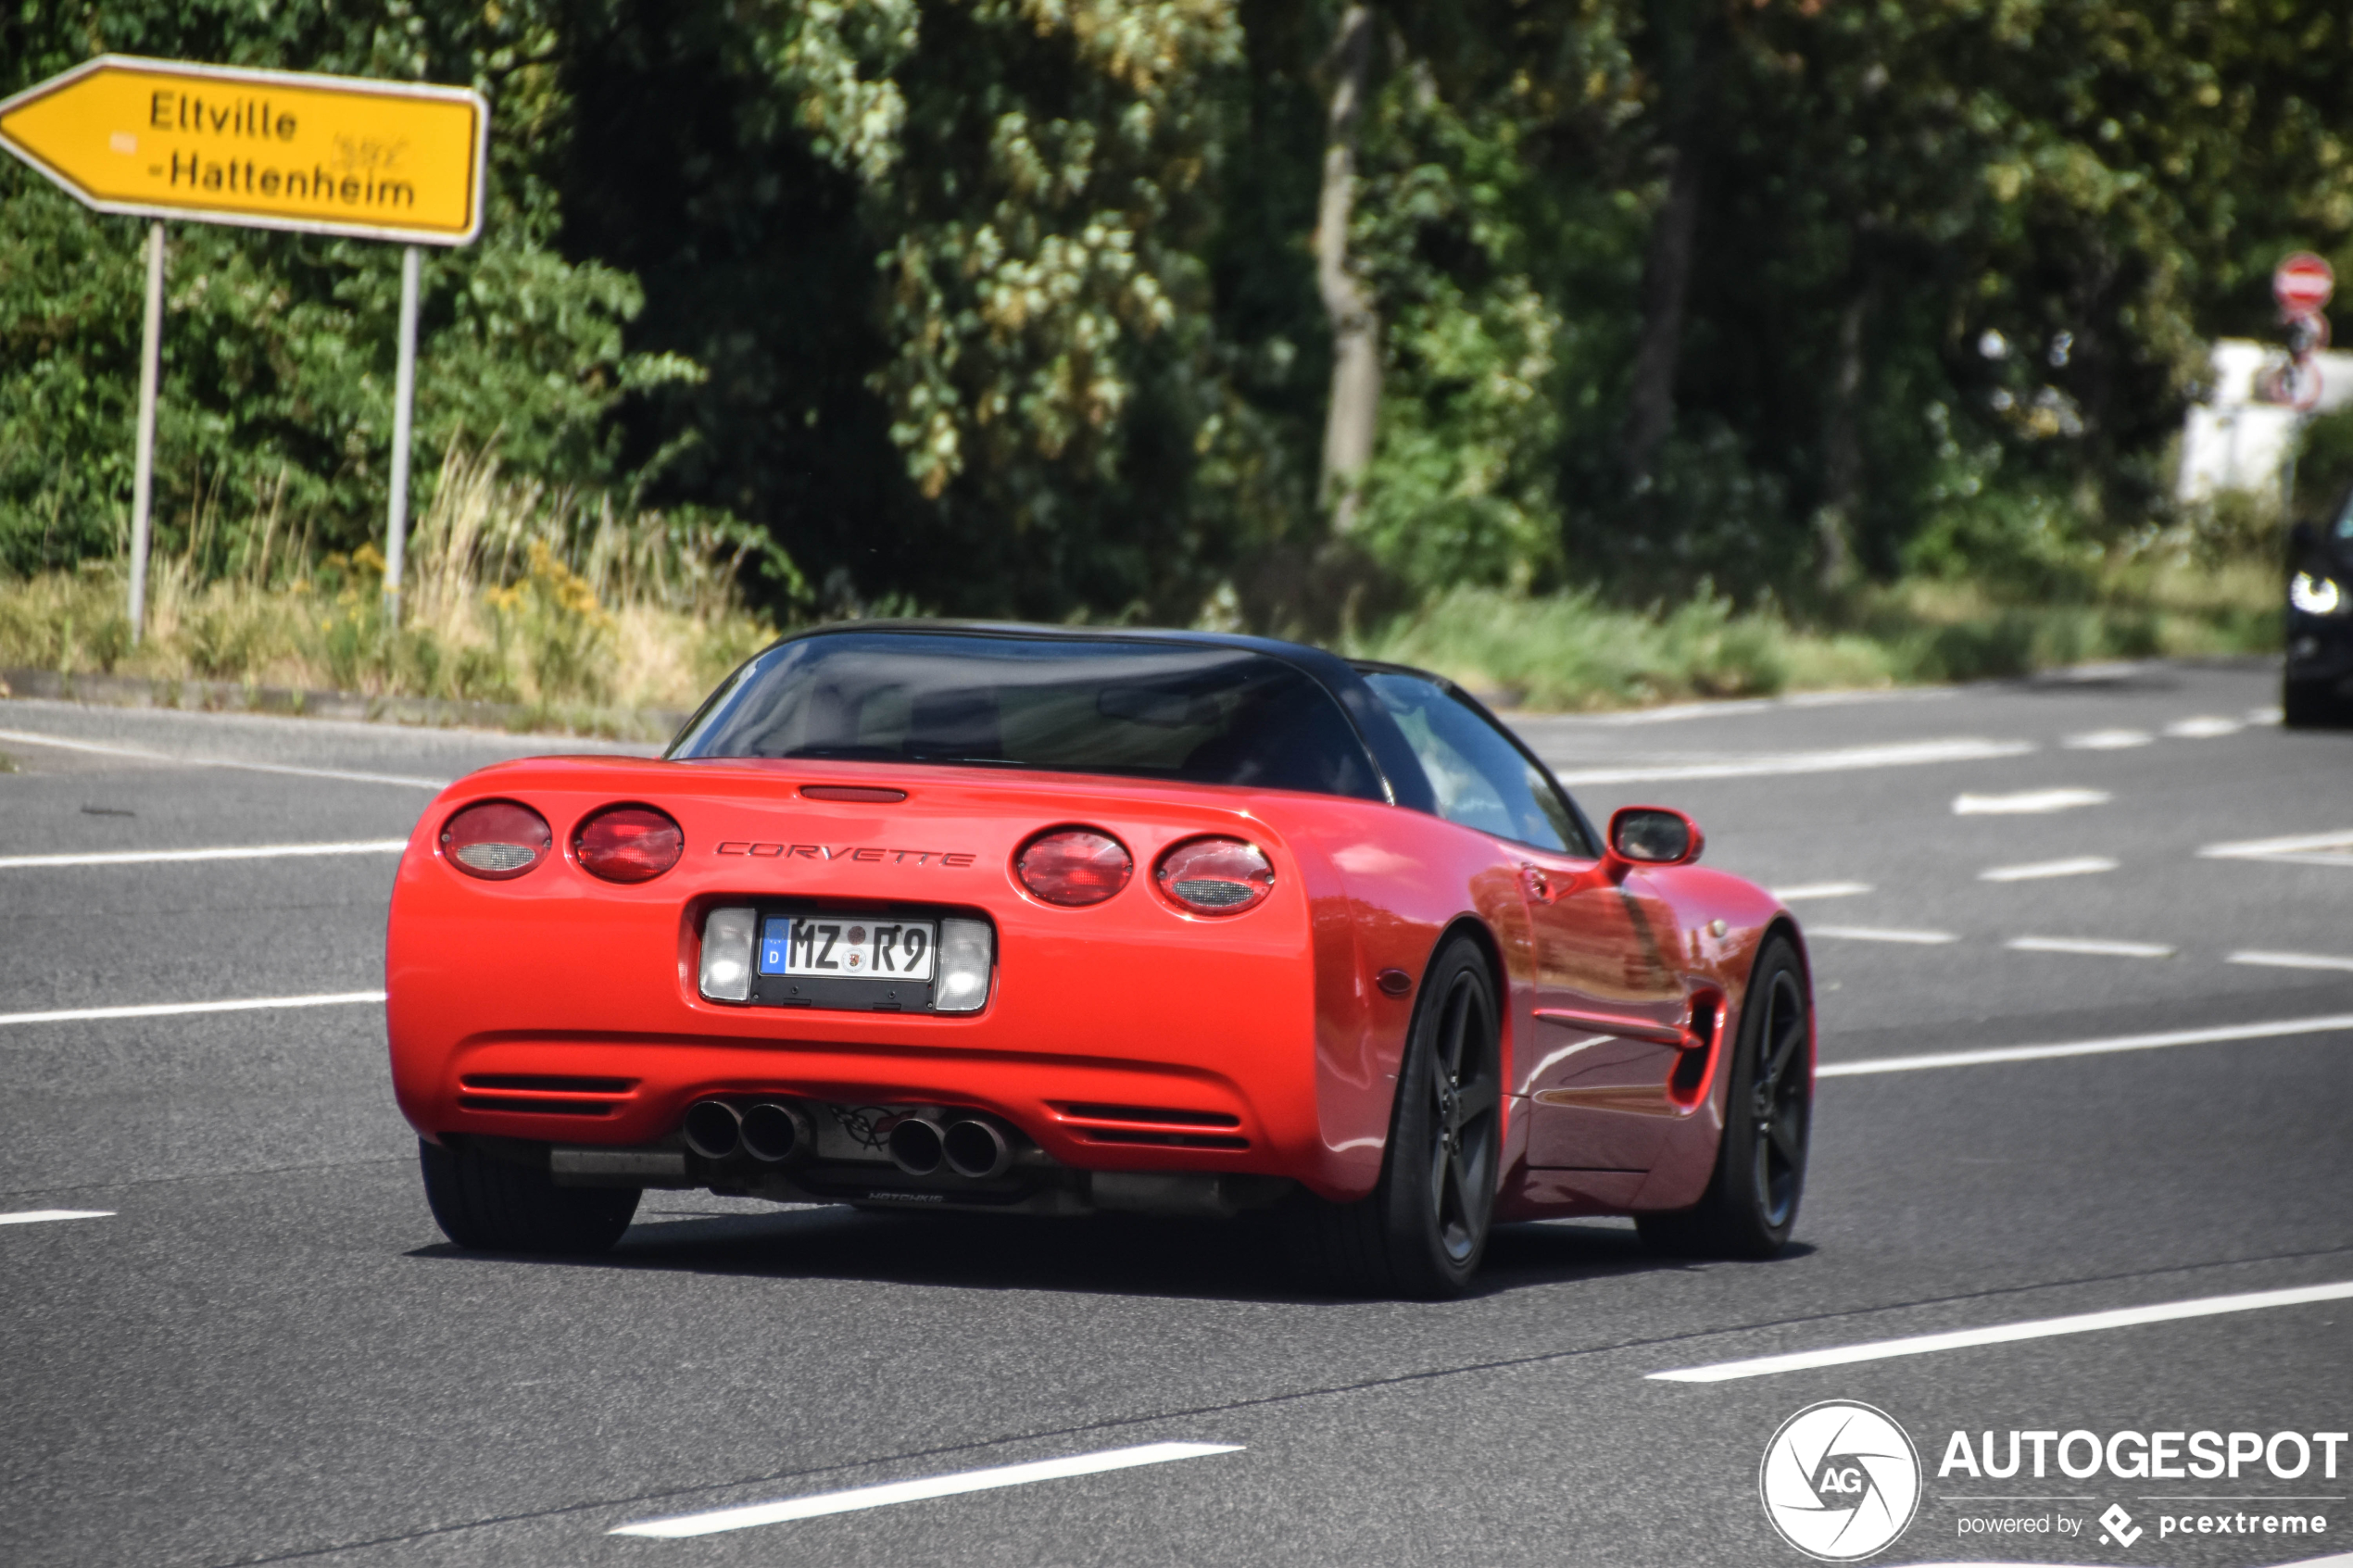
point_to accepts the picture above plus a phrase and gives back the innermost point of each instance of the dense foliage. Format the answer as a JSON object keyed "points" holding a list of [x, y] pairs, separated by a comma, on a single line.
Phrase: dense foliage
{"points": [[1009, 306]]}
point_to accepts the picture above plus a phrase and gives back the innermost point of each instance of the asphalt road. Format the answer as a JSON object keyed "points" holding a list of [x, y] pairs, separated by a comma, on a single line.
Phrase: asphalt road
{"points": [[261, 1350]]}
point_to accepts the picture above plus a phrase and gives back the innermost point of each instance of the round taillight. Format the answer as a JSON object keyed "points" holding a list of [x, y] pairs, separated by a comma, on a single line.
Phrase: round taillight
{"points": [[628, 843], [1216, 876], [1074, 867], [496, 840]]}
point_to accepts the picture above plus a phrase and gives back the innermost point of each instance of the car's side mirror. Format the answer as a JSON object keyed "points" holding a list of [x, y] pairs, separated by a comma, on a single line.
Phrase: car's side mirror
{"points": [[1653, 835]]}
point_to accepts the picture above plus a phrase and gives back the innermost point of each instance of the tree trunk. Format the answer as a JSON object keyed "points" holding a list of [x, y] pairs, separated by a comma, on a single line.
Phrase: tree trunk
{"points": [[1354, 410], [1667, 275], [1843, 450]]}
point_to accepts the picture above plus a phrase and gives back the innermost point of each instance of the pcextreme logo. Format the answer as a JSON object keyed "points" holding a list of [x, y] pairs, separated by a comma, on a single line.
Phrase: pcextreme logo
{"points": [[1840, 1481]]}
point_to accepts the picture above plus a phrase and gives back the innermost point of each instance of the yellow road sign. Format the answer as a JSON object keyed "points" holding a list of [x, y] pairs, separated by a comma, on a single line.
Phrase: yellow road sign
{"points": [[268, 149]]}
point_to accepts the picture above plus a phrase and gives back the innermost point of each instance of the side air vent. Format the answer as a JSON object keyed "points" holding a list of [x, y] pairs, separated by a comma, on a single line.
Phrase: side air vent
{"points": [[1147, 1116], [543, 1094], [1156, 1125], [1162, 1140]]}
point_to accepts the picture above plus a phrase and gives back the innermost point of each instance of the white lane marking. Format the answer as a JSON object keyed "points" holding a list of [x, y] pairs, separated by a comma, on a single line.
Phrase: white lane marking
{"points": [[1844, 759], [2010, 1333], [2263, 716], [1821, 890], [2217, 1035], [2107, 740], [2030, 802], [172, 856], [917, 1491], [2089, 946], [142, 755], [2206, 726], [2079, 865], [41, 1216], [1881, 934], [2289, 961], [1676, 712], [171, 1010], [2333, 848]]}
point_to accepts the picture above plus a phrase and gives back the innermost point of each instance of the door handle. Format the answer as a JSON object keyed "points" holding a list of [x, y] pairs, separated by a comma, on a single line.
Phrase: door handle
{"points": [[1537, 884]]}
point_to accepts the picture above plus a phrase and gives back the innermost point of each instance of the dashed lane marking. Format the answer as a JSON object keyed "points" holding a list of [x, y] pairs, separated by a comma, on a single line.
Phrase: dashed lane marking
{"points": [[2010, 1333], [43, 1216], [2206, 726], [171, 1010], [2332, 848], [2089, 946], [1821, 890], [2079, 865], [2027, 802], [1842, 759], [174, 857], [1881, 934], [141, 754], [917, 1491], [2107, 740], [2289, 961], [2328, 1023]]}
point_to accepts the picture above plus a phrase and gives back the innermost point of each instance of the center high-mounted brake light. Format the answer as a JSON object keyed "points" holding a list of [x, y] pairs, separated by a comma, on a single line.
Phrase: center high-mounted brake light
{"points": [[496, 840], [628, 843], [1074, 867], [1216, 876]]}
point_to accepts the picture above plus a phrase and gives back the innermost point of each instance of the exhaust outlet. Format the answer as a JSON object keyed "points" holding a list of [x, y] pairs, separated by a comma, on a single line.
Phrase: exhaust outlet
{"points": [[914, 1147], [713, 1129], [975, 1149], [773, 1132]]}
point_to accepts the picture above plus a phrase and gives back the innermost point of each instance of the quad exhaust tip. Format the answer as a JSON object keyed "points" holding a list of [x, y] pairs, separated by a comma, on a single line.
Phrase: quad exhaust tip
{"points": [[976, 1150], [713, 1128], [774, 1132]]}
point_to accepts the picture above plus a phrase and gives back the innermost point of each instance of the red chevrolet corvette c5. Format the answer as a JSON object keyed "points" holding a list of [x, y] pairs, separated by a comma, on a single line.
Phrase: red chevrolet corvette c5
{"points": [[919, 915]]}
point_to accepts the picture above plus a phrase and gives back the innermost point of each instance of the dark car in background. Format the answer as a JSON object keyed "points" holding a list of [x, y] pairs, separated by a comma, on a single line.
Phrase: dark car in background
{"points": [[2315, 685]]}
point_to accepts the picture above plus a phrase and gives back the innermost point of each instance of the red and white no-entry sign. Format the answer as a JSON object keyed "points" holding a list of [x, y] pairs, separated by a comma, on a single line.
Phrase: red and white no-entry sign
{"points": [[2302, 284]]}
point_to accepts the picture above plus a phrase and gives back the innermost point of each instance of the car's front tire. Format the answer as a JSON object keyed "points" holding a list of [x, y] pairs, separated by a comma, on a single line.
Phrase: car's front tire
{"points": [[1750, 1203], [2313, 704], [498, 1206], [1424, 1229]]}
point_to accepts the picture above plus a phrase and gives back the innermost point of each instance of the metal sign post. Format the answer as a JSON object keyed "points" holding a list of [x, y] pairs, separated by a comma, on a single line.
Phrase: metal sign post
{"points": [[262, 149], [404, 395], [143, 481]]}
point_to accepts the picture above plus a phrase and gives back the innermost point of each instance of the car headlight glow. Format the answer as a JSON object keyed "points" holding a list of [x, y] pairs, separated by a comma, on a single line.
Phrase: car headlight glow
{"points": [[726, 954], [967, 951], [2315, 595]]}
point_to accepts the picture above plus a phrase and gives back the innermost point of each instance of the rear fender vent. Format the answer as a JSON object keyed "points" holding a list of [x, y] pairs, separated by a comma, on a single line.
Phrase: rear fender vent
{"points": [[1145, 1116], [1160, 1140], [543, 1094], [1154, 1125]]}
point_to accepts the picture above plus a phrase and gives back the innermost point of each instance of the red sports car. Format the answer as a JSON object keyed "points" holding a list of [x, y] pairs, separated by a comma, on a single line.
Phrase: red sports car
{"points": [[1029, 920]]}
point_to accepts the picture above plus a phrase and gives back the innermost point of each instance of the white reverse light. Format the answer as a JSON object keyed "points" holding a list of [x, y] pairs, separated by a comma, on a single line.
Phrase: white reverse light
{"points": [[967, 950], [726, 954], [2315, 595]]}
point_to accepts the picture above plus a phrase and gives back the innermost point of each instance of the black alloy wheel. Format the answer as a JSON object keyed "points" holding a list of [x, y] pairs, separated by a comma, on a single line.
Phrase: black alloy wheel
{"points": [[1750, 1203], [1424, 1229], [481, 1201]]}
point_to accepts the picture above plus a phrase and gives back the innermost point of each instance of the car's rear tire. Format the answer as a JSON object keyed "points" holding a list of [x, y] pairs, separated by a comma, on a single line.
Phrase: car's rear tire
{"points": [[1750, 1203], [498, 1206], [1423, 1230]]}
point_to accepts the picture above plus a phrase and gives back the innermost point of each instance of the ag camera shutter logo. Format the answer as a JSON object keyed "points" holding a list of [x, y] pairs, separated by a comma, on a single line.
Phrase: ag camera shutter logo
{"points": [[1840, 1481]]}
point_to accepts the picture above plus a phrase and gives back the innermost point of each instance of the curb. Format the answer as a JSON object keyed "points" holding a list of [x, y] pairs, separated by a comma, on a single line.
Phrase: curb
{"points": [[235, 696]]}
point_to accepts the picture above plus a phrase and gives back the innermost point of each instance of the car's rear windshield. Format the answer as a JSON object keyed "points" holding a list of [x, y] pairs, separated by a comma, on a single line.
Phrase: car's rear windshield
{"points": [[1202, 714]]}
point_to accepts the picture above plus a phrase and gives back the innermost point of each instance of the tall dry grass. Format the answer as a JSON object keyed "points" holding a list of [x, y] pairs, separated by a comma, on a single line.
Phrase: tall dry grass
{"points": [[514, 592]]}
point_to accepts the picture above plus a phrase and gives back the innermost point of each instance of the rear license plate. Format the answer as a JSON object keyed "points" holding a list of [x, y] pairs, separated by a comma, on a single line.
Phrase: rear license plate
{"points": [[846, 947]]}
